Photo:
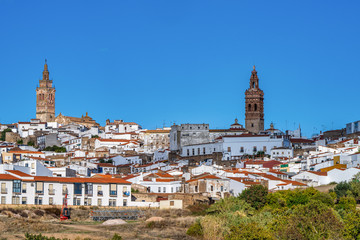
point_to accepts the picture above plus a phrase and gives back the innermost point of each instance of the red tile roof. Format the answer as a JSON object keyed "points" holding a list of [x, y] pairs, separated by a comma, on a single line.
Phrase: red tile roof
{"points": [[19, 173]]}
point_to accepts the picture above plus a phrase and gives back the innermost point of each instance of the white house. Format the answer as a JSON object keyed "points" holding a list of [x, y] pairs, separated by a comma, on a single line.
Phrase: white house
{"points": [[20, 188], [281, 153], [28, 128]]}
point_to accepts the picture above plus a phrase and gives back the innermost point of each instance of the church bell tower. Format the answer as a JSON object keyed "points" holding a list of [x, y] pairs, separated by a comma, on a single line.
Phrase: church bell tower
{"points": [[45, 98], [254, 105]]}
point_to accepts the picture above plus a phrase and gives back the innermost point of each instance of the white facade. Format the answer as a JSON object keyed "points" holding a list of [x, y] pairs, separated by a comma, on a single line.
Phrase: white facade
{"points": [[26, 129], [20, 189], [281, 153]]}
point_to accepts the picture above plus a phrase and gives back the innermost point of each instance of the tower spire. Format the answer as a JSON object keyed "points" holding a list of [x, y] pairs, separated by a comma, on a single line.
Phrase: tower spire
{"points": [[45, 72], [254, 80]]}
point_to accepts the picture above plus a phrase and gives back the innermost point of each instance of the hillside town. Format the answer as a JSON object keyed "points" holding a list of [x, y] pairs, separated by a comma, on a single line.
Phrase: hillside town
{"points": [[120, 164]]}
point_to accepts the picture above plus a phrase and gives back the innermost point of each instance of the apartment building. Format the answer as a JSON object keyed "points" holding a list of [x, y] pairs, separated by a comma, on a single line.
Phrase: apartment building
{"points": [[20, 188]]}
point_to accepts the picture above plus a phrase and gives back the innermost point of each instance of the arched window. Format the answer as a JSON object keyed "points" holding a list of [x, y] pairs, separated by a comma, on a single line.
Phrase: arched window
{"points": [[249, 107], [255, 107], [253, 84]]}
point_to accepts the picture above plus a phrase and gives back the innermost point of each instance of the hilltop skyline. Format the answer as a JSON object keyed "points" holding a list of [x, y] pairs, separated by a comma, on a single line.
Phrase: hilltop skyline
{"points": [[124, 61]]}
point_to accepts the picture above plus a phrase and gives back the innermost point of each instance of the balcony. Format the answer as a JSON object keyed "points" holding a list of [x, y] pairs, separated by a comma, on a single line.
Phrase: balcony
{"points": [[23, 191], [126, 194], [100, 193], [51, 191], [39, 192], [4, 191], [113, 193]]}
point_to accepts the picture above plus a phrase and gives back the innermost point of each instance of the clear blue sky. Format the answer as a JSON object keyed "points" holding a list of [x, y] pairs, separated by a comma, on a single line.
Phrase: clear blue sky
{"points": [[156, 62]]}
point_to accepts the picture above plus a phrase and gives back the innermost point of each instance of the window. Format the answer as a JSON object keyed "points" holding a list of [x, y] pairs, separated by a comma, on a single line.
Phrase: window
{"points": [[17, 186], [264, 149], [255, 107], [193, 151], [198, 151], [89, 188], [77, 201], [112, 202], [159, 189], [229, 149], [172, 203], [249, 107], [40, 187], [51, 189], [89, 201], [211, 188], [24, 188], [15, 200], [99, 202], [196, 188], [188, 152], [254, 149], [51, 200], [164, 189], [113, 191], [241, 149], [38, 200], [24, 200], [77, 189], [125, 202], [64, 189], [3, 188], [222, 188], [204, 151], [3, 200], [172, 189]]}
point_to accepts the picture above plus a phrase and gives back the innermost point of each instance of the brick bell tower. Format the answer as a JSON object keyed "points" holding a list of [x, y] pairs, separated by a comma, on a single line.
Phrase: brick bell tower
{"points": [[45, 98], [254, 105]]}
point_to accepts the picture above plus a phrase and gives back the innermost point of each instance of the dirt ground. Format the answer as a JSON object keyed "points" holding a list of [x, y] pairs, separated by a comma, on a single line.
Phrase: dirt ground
{"points": [[16, 221]]}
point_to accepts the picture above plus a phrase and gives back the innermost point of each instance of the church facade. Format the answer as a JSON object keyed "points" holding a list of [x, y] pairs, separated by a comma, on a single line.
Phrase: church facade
{"points": [[45, 98], [254, 105]]}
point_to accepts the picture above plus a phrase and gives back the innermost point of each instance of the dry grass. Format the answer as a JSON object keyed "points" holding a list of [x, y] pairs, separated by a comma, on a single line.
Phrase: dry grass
{"points": [[16, 221]]}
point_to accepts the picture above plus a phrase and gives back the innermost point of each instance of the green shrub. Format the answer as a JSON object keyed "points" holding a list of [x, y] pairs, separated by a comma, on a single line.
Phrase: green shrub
{"points": [[195, 230], [40, 237], [255, 196], [150, 224], [116, 237], [198, 209]]}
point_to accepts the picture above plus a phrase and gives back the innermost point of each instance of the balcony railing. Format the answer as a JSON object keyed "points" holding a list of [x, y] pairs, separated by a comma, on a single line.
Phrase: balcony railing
{"points": [[113, 193], [23, 191], [51, 191], [100, 193], [39, 192], [126, 194], [4, 190]]}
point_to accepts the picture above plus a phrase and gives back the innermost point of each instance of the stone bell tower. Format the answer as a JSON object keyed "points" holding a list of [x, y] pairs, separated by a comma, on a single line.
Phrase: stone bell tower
{"points": [[254, 105], [45, 98]]}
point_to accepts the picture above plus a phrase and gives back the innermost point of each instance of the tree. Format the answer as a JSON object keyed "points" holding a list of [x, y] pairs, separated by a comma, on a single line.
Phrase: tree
{"points": [[342, 189], [105, 161], [55, 148], [3, 134], [346, 204], [314, 220], [255, 196], [352, 225]]}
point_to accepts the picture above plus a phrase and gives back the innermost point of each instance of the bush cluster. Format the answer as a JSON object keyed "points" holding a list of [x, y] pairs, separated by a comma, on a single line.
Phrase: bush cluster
{"points": [[290, 214]]}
